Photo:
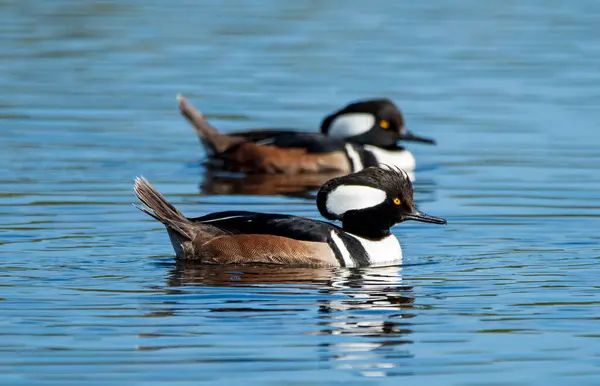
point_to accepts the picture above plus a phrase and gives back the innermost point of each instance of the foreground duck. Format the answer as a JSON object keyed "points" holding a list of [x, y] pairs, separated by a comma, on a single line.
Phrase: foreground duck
{"points": [[367, 203], [361, 134]]}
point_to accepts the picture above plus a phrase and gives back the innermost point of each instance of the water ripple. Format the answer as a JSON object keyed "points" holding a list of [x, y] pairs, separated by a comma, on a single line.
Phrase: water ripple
{"points": [[507, 293]]}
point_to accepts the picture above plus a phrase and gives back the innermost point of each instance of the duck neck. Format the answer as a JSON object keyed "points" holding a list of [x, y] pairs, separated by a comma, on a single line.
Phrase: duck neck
{"points": [[366, 228], [393, 147]]}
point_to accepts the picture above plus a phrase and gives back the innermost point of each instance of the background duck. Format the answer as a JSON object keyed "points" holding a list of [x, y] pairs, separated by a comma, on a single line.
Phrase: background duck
{"points": [[367, 203], [362, 134]]}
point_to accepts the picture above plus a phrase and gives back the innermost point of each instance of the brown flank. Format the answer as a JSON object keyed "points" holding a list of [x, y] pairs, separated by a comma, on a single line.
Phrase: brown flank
{"points": [[211, 245], [241, 155]]}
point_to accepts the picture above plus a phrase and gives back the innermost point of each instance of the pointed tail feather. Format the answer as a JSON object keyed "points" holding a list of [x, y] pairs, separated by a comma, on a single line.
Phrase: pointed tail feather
{"points": [[196, 118], [214, 141], [162, 210]]}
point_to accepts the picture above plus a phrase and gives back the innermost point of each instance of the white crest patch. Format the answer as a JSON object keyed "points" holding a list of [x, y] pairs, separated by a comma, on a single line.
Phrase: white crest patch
{"points": [[386, 251], [348, 262], [349, 125], [357, 164], [353, 197], [400, 158]]}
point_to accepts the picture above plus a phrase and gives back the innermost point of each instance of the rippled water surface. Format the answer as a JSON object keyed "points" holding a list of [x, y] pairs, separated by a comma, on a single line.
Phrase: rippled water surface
{"points": [[507, 293]]}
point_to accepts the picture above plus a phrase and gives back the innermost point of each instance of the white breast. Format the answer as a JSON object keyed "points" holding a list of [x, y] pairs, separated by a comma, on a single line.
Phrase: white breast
{"points": [[386, 251], [401, 158], [382, 252]]}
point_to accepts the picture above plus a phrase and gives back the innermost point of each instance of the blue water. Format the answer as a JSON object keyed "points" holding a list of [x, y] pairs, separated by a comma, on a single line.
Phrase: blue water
{"points": [[506, 293]]}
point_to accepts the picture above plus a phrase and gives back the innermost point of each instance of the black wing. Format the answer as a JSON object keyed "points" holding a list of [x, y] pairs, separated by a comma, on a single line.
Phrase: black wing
{"points": [[294, 227], [260, 134], [314, 143]]}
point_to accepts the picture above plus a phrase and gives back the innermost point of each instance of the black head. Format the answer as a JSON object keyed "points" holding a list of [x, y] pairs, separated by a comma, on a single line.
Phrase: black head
{"points": [[371, 201], [377, 122]]}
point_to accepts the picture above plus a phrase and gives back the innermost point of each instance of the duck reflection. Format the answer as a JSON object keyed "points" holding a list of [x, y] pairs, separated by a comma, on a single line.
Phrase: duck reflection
{"points": [[372, 289], [303, 186], [364, 316], [299, 185], [189, 274]]}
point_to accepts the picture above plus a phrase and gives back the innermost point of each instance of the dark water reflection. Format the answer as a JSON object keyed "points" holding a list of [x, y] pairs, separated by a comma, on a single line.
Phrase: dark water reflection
{"points": [[297, 186], [301, 186], [507, 293], [368, 303]]}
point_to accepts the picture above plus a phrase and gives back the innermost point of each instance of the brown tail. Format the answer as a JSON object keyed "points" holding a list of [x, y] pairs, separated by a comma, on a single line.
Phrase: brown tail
{"points": [[162, 210], [214, 141]]}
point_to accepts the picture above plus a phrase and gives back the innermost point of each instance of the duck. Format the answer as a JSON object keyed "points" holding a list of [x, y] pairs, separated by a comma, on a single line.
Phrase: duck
{"points": [[362, 134], [368, 203]]}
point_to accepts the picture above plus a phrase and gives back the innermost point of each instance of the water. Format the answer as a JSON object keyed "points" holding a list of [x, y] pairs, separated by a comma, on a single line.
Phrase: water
{"points": [[507, 293]]}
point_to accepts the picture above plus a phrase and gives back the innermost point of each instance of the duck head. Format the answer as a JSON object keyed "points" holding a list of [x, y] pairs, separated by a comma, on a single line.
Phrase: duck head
{"points": [[371, 201], [377, 122]]}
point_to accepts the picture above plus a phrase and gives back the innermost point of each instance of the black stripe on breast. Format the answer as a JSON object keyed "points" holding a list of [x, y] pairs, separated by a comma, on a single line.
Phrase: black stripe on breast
{"points": [[350, 160], [336, 252], [357, 252], [368, 158]]}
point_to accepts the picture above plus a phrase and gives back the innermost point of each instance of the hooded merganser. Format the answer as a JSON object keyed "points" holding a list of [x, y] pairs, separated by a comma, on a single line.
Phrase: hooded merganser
{"points": [[367, 203], [362, 134]]}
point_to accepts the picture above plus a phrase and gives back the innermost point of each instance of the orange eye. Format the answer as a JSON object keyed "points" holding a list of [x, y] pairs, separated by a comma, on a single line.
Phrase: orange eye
{"points": [[397, 201], [384, 124]]}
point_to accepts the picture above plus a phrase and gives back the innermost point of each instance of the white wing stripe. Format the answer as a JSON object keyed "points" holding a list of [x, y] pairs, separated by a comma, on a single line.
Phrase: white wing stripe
{"points": [[223, 218]]}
